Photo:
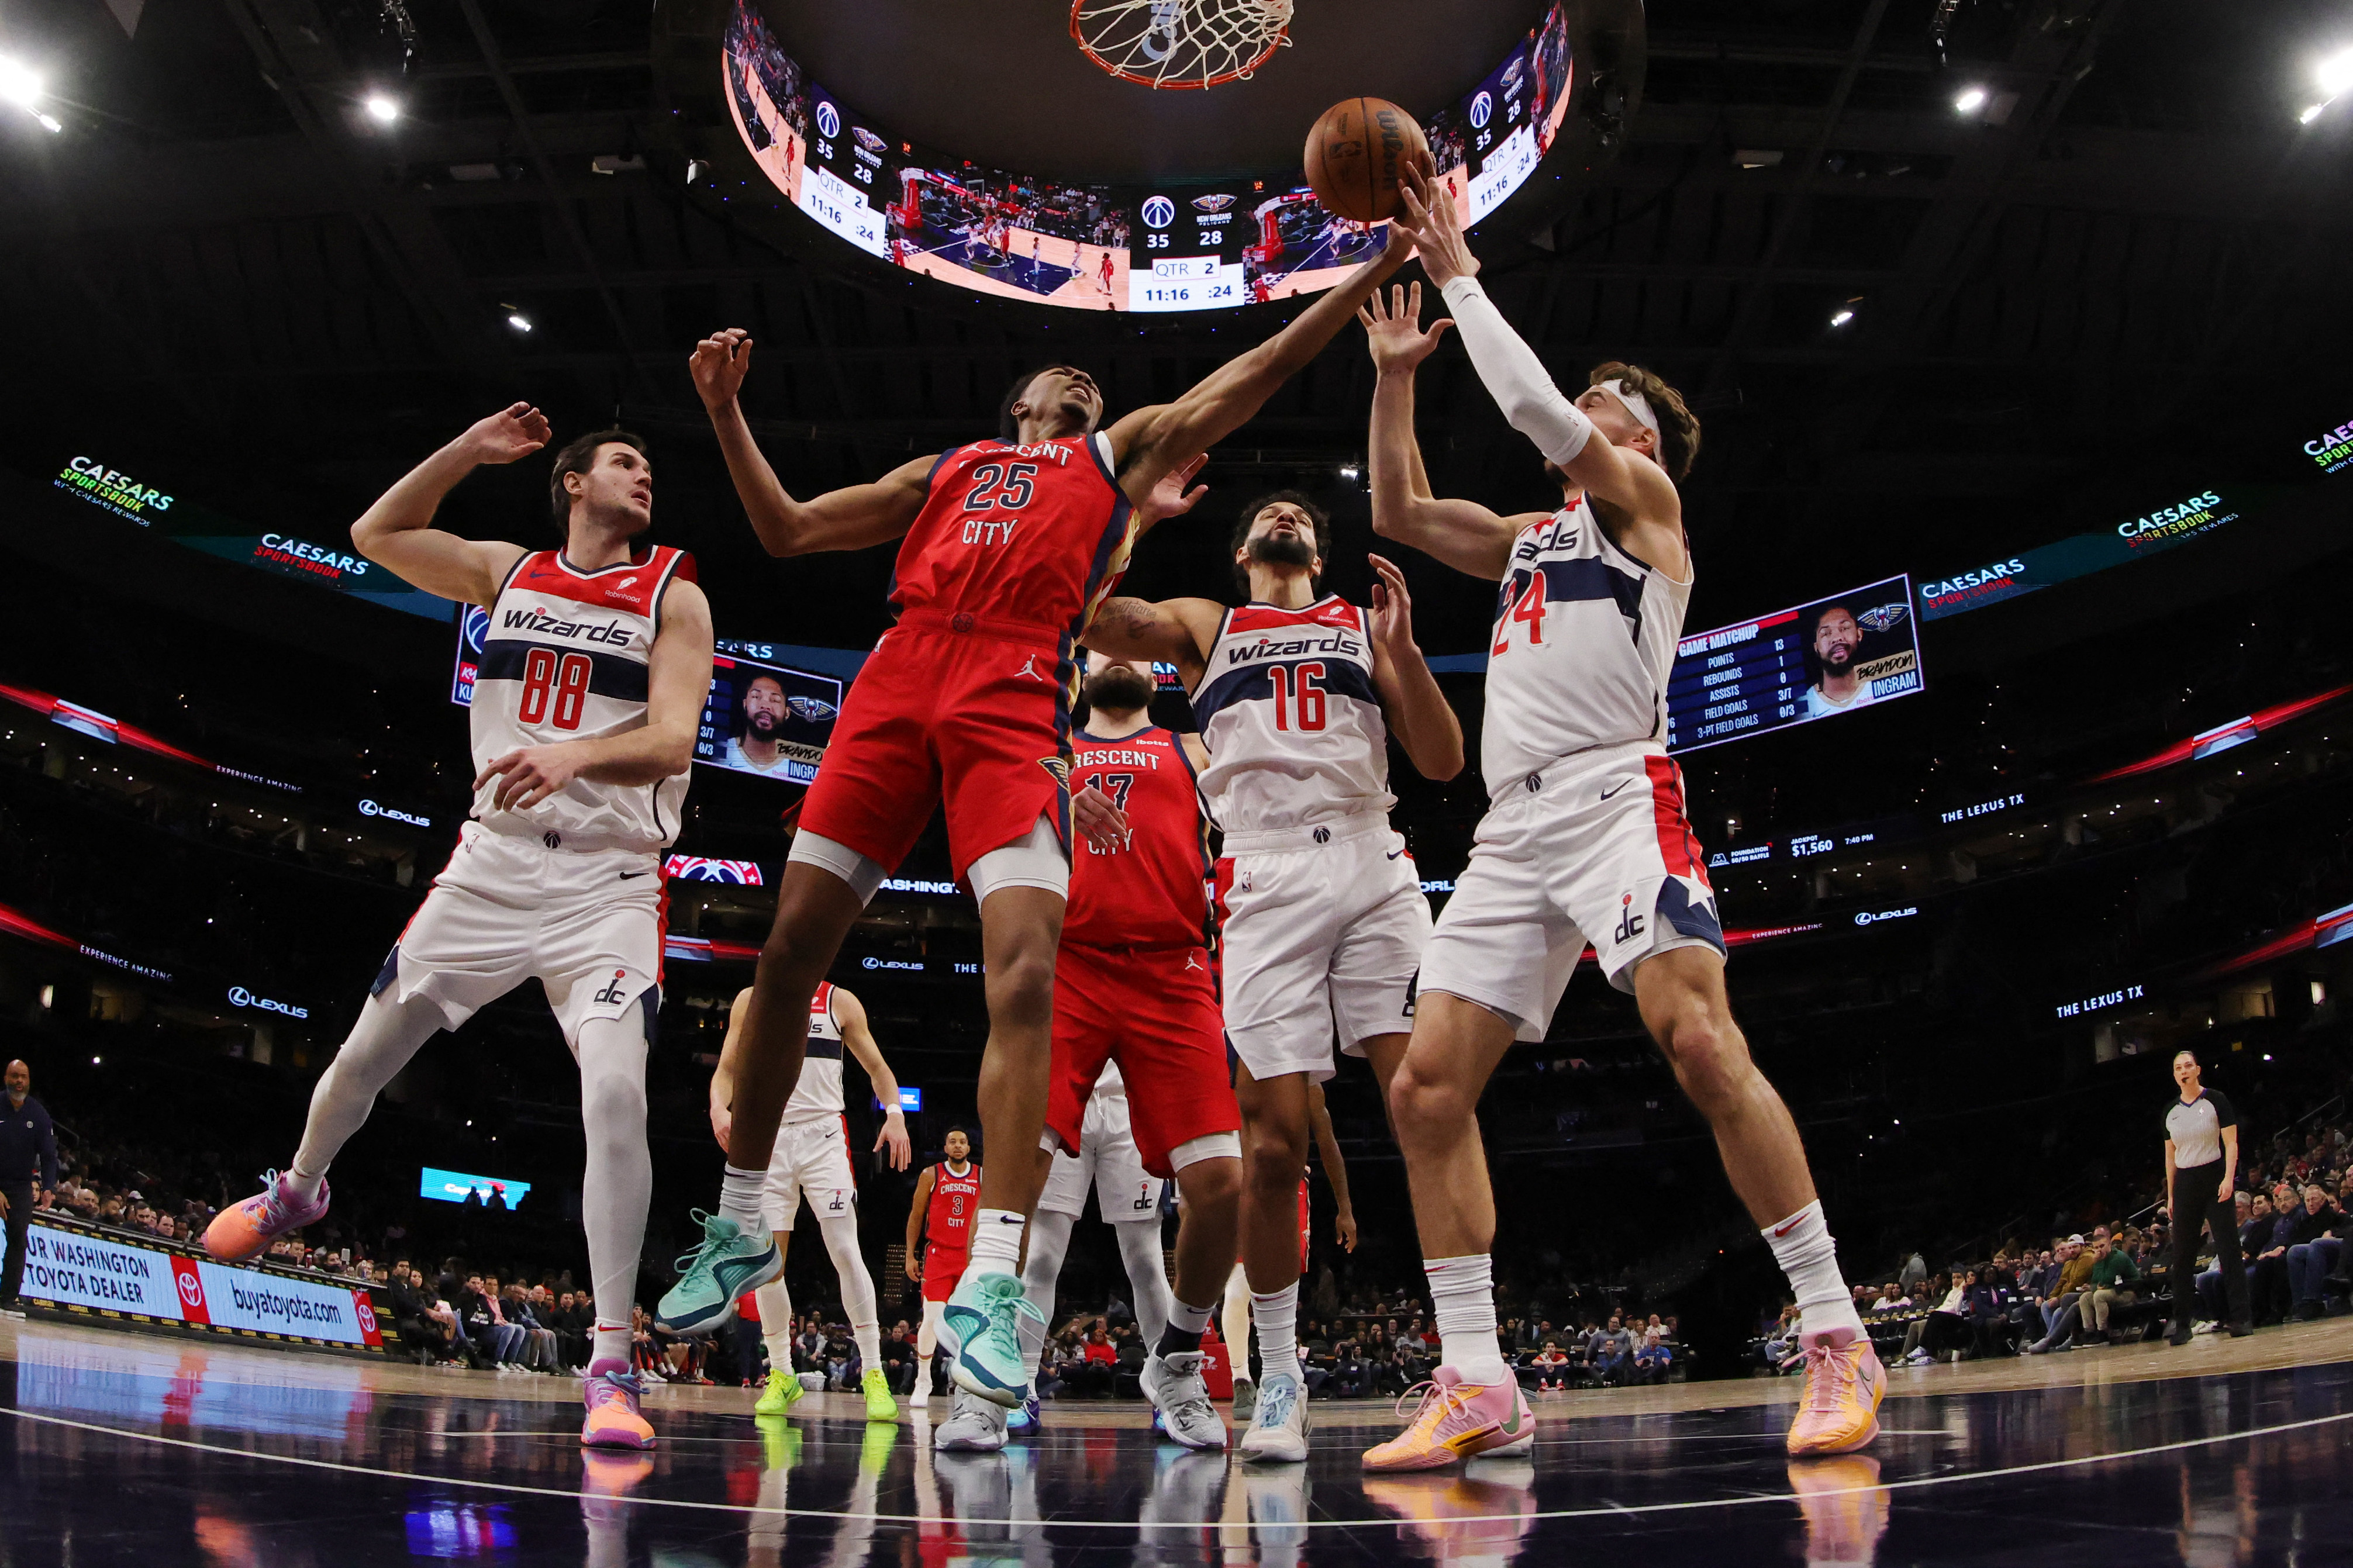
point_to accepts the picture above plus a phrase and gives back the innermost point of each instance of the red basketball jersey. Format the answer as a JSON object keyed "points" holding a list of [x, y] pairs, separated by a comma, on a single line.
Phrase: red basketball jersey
{"points": [[1031, 536], [948, 1224], [1149, 892]]}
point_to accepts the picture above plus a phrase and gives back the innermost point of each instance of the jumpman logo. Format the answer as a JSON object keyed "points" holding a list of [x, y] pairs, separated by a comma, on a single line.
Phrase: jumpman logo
{"points": [[1193, 961], [1030, 669]]}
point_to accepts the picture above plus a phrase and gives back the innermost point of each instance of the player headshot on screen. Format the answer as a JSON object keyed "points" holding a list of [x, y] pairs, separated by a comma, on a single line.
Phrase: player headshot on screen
{"points": [[759, 718], [1838, 643]]}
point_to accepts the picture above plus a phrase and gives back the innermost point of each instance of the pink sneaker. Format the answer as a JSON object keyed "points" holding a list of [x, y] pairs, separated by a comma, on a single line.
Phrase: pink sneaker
{"points": [[611, 1394], [1457, 1420], [1844, 1384], [246, 1231]]}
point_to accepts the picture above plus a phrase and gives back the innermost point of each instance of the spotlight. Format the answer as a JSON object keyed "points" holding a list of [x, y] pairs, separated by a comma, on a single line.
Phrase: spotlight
{"points": [[518, 320], [1842, 318], [2310, 114], [1971, 100], [20, 84], [2335, 74], [382, 108]]}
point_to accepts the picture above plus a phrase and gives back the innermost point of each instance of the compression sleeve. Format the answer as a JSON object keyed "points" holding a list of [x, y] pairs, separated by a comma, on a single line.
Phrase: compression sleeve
{"points": [[1515, 377]]}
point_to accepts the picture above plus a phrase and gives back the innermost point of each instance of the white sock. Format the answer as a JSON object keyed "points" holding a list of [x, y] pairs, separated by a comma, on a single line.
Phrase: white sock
{"points": [[1463, 1300], [1276, 1315], [775, 1304], [739, 1197], [997, 1241], [1802, 1244], [1234, 1321], [612, 1344]]}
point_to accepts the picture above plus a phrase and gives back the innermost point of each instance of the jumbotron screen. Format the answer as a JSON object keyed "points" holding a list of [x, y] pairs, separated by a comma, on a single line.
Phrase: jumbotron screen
{"points": [[1835, 655], [765, 718], [1173, 247]]}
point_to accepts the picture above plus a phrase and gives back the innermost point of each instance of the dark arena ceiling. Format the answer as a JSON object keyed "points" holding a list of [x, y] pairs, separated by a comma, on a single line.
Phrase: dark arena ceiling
{"points": [[223, 270]]}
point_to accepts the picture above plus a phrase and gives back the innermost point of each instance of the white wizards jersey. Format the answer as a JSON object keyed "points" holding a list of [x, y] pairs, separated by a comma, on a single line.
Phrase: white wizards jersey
{"points": [[1287, 709], [1585, 638], [818, 1094], [567, 658]]}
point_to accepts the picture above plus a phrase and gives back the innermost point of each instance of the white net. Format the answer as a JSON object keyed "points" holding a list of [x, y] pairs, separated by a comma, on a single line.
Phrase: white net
{"points": [[1180, 43]]}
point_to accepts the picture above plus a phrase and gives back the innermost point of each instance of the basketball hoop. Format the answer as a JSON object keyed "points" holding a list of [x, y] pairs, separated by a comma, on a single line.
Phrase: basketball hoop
{"points": [[1180, 43]]}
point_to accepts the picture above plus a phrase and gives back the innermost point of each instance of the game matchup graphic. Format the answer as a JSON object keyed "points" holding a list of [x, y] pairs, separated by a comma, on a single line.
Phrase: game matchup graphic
{"points": [[1837, 655]]}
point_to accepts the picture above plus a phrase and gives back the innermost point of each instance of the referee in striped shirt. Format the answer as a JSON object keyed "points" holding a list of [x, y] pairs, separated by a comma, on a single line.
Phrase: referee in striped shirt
{"points": [[2202, 1156]]}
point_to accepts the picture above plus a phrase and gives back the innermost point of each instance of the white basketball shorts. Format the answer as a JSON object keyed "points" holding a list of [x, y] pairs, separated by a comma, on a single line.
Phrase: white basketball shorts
{"points": [[812, 1157], [587, 924], [1593, 849], [1107, 1160], [1319, 933]]}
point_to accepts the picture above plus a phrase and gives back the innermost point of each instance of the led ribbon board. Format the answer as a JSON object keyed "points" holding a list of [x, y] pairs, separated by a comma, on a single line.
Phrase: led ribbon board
{"points": [[1172, 247]]}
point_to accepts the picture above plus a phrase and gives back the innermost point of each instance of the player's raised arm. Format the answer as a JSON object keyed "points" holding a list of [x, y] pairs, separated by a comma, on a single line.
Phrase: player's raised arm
{"points": [[849, 1013], [1151, 441], [678, 682], [1418, 714], [851, 518], [1173, 631], [397, 531], [1463, 534], [1518, 381]]}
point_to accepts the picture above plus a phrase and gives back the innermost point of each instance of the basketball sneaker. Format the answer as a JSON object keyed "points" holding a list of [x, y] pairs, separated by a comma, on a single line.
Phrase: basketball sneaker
{"points": [[731, 1263], [1022, 1419], [1245, 1399], [1173, 1384], [1278, 1433], [1456, 1421], [880, 1405], [784, 1390], [983, 1320], [1844, 1383], [246, 1231], [611, 1395], [975, 1425]]}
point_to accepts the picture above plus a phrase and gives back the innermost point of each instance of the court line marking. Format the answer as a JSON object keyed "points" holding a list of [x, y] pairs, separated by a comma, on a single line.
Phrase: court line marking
{"points": [[1606, 1509]]}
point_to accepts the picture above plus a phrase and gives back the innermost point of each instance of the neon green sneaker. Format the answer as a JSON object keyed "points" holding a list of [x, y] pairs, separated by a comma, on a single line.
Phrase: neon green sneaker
{"points": [[731, 1263], [783, 1391], [880, 1405], [983, 1318]]}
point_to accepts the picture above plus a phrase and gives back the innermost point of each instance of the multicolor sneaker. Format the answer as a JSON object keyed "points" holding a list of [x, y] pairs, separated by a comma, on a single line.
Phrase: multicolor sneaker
{"points": [[1844, 1383], [246, 1231], [1456, 1421], [613, 1419], [1277, 1432], [1022, 1419], [983, 1320], [880, 1405], [731, 1263], [784, 1390]]}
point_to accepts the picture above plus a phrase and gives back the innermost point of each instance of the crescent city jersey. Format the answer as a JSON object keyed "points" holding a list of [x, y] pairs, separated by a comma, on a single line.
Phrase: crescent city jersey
{"points": [[1150, 890], [1032, 537], [947, 1224], [817, 1092], [1585, 638], [567, 658], [1286, 706]]}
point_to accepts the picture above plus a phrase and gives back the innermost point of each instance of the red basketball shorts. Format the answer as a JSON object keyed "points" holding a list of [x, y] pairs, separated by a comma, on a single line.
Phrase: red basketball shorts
{"points": [[1153, 1010], [977, 720], [941, 1270]]}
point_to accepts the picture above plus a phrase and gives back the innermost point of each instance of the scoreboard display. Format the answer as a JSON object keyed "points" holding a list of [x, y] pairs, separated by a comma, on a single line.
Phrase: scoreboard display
{"points": [[1837, 655], [764, 718]]}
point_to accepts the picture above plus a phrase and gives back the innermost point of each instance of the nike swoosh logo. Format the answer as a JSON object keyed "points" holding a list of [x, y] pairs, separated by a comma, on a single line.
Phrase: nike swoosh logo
{"points": [[1622, 785], [1781, 1230], [626, 875], [1393, 853]]}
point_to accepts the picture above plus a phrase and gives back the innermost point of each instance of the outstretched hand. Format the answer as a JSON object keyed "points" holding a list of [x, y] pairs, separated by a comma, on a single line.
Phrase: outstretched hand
{"points": [[894, 1137], [1169, 497], [1392, 330], [720, 363], [1098, 821], [1431, 221], [513, 432], [1392, 609]]}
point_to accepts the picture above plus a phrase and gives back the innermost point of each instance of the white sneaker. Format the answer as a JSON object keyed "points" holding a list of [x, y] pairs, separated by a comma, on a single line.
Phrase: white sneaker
{"points": [[1174, 1385], [976, 1425], [1245, 1399], [2206, 1328], [1278, 1434]]}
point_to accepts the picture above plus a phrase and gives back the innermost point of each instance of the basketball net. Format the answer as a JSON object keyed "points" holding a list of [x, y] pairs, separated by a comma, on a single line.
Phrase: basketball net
{"points": [[1180, 43]]}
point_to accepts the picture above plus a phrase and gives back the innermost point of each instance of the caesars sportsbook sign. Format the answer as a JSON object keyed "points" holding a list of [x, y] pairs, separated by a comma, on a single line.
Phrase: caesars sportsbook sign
{"points": [[87, 1274]]}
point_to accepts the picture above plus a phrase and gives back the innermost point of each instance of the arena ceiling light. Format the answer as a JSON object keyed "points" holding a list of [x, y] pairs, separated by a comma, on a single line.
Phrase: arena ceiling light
{"points": [[381, 106], [1971, 100], [21, 85], [2334, 73]]}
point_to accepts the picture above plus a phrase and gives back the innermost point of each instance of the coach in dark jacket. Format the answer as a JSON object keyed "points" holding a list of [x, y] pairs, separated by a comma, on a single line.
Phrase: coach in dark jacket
{"points": [[28, 1154]]}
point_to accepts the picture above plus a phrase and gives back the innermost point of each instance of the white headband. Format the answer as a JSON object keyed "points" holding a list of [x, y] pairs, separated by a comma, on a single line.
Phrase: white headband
{"points": [[1636, 403]]}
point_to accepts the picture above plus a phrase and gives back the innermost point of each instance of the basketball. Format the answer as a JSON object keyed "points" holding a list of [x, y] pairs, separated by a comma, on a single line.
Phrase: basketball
{"points": [[1359, 151]]}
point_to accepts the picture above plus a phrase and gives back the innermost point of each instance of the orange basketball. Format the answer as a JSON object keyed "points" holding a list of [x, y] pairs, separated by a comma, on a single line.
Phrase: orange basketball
{"points": [[1357, 154]]}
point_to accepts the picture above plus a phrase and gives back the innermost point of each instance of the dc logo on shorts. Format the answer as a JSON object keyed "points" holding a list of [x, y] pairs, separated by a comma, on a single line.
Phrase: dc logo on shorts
{"points": [[1629, 924], [612, 992]]}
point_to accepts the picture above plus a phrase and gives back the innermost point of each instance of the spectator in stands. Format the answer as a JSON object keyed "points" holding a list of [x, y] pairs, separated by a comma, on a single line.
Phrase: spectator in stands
{"points": [[413, 1315], [2208, 1287], [1614, 1360], [1946, 1326], [1552, 1367], [1652, 1355], [1989, 1301], [1097, 1363], [2313, 1255], [2113, 1274], [2267, 1287]]}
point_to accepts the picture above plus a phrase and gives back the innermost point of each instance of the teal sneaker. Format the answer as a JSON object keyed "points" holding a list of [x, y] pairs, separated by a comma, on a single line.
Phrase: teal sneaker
{"points": [[984, 1322], [730, 1264]]}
